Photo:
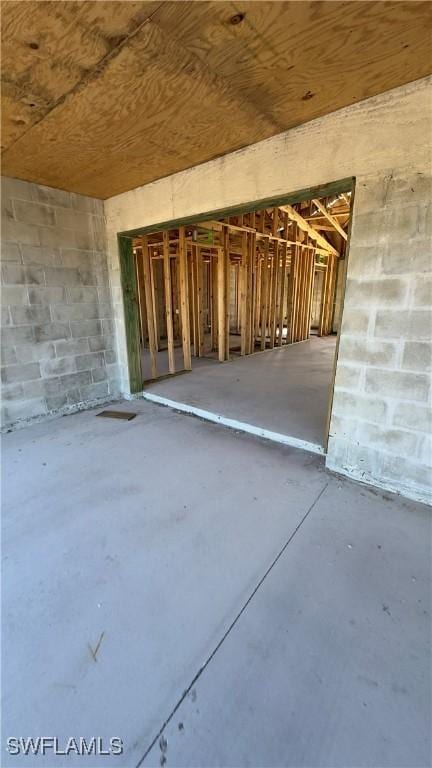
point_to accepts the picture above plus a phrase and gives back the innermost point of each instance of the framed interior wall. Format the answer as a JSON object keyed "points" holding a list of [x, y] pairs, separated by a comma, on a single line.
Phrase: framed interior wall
{"points": [[129, 283]]}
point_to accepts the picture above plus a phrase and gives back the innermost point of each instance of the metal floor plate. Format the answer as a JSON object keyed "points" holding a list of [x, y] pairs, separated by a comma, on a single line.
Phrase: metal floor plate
{"points": [[126, 415]]}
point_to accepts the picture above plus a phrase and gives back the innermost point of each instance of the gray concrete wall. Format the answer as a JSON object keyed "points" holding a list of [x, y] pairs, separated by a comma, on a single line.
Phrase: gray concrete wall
{"points": [[58, 345], [382, 398], [381, 422]]}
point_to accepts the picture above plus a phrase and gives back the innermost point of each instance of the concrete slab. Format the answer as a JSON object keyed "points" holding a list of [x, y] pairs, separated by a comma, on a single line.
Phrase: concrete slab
{"points": [[154, 537], [284, 390], [329, 665], [152, 532]]}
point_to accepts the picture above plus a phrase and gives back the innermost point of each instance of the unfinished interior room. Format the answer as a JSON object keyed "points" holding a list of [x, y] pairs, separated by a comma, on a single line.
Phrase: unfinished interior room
{"points": [[216, 390], [235, 286]]}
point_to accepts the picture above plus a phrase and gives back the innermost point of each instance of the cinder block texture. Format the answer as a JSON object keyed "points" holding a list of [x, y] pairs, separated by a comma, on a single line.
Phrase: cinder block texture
{"points": [[381, 414], [58, 349]]}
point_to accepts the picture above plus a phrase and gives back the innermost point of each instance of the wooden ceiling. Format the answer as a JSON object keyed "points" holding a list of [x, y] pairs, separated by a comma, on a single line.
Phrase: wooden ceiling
{"points": [[101, 97]]}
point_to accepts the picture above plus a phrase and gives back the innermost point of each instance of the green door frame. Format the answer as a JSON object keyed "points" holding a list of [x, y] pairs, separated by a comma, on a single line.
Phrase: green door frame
{"points": [[127, 264], [131, 312]]}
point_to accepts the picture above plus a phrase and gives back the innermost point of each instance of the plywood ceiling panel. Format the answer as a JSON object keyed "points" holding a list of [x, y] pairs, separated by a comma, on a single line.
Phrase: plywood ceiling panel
{"points": [[100, 97]]}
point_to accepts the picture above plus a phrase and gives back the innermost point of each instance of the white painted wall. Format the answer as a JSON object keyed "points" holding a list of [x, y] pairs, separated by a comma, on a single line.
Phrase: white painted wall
{"points": [[381, 411]]}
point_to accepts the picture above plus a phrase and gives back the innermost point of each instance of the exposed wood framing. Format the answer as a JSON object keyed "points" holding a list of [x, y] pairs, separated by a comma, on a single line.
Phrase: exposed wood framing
{"points": [[282, 294], [141, 295], [222, 301], [184, 300], [244, 298], [327, 298], [168, 302], [306, 227], [150, 304], [227, 287], [331, 219]]}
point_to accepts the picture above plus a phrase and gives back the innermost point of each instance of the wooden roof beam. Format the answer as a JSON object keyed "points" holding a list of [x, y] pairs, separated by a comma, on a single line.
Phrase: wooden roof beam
{"points": [[334, 222], [320, 218], [306, 227]]}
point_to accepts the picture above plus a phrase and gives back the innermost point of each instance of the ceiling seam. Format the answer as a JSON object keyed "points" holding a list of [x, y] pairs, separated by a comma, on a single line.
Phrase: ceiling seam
{"points": [[93, 74], [235, 93]]}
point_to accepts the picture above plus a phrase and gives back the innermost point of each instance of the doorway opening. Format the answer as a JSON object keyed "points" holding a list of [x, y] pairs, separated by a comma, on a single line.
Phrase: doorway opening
{"points": [[260, 290]]}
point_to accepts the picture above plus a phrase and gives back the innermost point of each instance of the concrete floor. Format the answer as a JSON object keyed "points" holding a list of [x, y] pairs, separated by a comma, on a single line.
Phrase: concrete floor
{"points": [[268, 612], [285, 390], [162, 357]]}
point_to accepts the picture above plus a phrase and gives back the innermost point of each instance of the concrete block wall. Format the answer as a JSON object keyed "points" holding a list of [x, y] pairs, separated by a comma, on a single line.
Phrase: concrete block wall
{"points": [[58, 344], [382, 418], [381, 407]]}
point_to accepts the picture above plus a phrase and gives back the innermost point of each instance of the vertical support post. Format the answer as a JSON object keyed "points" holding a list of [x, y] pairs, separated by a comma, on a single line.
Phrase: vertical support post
{"points": [[300, 299], [199, 300], [252, 287], [322, 324], [214, 300], [311, 278], [328, 299], [322, 303], [168, 302], [141, 295], [237, 295], [264, 292], [258, 281], [193, 298], [184, 300], [155, 304], [269, 293], [226, 292], [221, 304], [149, 306], [274, 292], [131, 313], [282, 293], [244, 296], [175, 295], [293, 289]]}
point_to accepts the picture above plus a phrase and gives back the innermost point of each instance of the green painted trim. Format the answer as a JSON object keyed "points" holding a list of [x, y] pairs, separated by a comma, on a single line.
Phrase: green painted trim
{"points": [[336, 357], [131, 312], [333, 188]]}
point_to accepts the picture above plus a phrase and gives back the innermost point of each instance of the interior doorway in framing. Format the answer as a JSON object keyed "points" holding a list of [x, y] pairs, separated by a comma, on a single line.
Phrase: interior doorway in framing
{"points": [[235, 283]]}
